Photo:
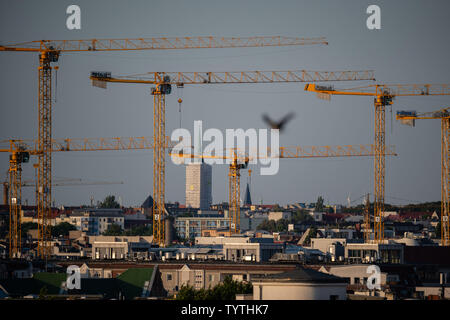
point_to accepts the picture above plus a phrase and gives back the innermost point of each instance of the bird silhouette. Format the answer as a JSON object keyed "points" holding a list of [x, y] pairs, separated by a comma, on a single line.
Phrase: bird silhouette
{"points": [[278, 124]]}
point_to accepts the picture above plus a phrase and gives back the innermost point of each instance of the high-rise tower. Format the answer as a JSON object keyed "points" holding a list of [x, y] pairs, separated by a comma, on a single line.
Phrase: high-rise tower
{"points": [[199, 185]]}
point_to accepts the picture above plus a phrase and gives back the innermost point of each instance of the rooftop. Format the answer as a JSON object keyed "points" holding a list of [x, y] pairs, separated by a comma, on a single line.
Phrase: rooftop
{"points": [[300, 274]]}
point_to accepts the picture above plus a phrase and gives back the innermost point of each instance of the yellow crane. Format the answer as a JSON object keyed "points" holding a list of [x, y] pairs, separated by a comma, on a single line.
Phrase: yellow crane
{"points": [[20, 151], [49, 53], [367, 218], [240, 161], [163, 82], [409, 118], [384, 95]]}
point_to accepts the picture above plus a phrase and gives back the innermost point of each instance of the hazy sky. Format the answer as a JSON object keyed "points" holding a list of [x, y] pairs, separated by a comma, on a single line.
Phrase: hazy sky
{"points": [[412, 47]]}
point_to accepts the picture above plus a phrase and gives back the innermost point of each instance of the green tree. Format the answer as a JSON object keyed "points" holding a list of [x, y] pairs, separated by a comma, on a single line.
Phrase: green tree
{"points": [[43, 293], [109, 203], [186, 292], [113, 230], [226, 290], [274, 226], [268, 225], [62, 229], [319, 204], [140, 231], [27, 226], [301, 216]]}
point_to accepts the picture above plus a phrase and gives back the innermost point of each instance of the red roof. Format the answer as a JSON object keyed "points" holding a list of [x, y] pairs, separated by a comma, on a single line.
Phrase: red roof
{"points": [[415, 215]]}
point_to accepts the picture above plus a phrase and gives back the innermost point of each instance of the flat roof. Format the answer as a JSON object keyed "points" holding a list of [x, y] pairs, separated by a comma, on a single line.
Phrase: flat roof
{"points": [[300, 274]]}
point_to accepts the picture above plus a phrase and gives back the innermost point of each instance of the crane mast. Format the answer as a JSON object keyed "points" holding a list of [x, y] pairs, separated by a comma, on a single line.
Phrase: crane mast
{"points": [[384, 95], [409, 117]]}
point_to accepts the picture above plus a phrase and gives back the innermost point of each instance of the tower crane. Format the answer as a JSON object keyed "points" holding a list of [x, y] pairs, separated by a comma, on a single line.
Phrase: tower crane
{"points": [[163, 82], [367, 218], [384, 95], [238, 161], [409, 118], [49, 52], [20, 151]]}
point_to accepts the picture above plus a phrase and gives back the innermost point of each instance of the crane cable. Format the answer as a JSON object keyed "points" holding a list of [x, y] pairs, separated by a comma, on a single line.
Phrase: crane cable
{"points": [[180, 87], [56, 82]]}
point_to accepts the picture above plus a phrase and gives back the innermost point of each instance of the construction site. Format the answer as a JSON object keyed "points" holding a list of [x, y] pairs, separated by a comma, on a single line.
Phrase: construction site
{"points": [[283, 156]]}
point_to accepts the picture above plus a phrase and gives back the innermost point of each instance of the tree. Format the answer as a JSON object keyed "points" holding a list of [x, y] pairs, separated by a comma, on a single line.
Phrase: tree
{"points": [[43, 293], [301, 216], [319, 204], [110, 203], [186, 292], [62, 229], [140, 231], [27, 226], [226, 290], [268, 225], [113, 230]]}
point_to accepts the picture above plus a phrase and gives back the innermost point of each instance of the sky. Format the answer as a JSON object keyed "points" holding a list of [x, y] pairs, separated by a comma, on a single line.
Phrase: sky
{"points": [[411, 47]]}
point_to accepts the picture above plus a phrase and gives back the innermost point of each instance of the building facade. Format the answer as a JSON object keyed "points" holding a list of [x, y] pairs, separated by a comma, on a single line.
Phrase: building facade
{"points": [[96, 221], [199, 185], [204, 276], [300, 284], [191, 227]]}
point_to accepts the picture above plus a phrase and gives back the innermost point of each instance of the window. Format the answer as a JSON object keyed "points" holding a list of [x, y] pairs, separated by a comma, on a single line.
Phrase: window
{"points": [[211, 278], [169, 277]]}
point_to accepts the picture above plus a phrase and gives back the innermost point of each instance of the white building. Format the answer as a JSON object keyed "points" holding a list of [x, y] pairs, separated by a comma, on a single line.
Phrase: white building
{"points": [[241, 248], [198, 185], [120, 247], [96, 221], [300, 284]]}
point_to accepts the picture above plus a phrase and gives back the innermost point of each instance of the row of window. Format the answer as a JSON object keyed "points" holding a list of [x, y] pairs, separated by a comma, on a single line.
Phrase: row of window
{"points": [[198, 277]]}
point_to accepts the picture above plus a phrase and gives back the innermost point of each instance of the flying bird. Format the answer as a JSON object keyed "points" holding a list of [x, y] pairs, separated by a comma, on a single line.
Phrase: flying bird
{"points": [[278, 124]]}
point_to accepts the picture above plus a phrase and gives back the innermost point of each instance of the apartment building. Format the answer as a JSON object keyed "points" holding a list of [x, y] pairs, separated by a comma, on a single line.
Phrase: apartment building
{"points": [[199, 185], [95, 221]]}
